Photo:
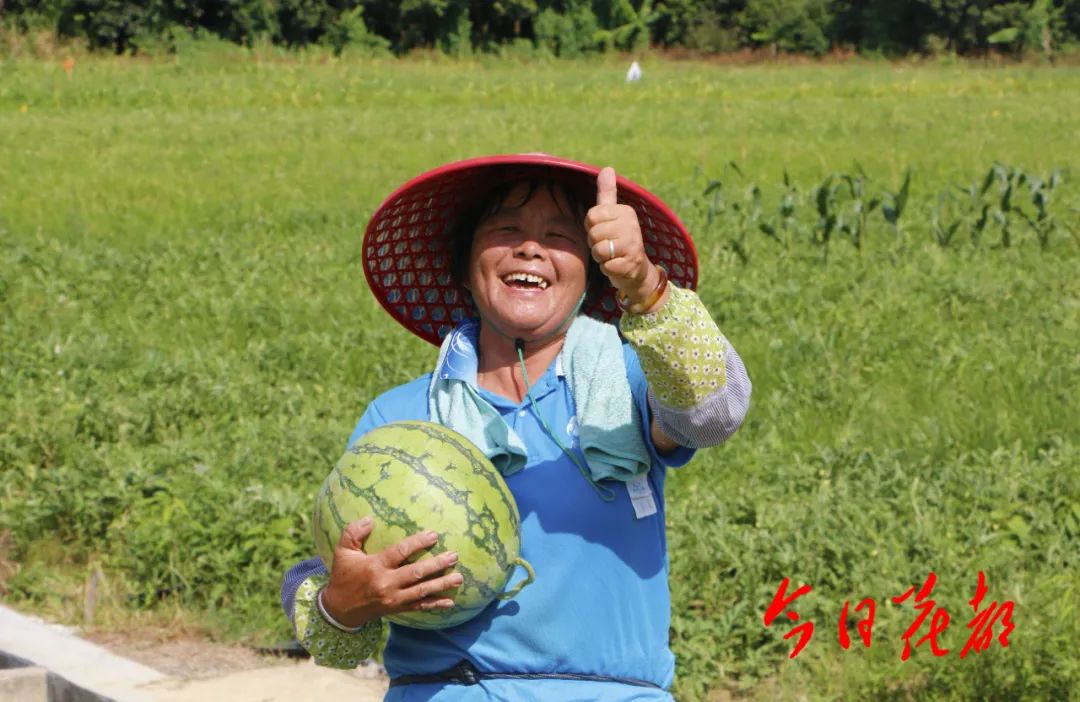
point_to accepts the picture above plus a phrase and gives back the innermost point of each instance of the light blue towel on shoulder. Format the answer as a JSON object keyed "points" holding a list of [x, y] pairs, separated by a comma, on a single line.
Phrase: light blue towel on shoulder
{"points": [[610, 426], [454, 402]]}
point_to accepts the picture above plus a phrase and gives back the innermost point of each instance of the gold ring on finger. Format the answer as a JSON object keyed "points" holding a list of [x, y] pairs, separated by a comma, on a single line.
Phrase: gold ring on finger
{"points": [[611, 249]]}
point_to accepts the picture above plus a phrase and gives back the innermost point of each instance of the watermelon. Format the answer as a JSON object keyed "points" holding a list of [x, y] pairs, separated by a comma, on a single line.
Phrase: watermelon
{"points": [[414, 476]]}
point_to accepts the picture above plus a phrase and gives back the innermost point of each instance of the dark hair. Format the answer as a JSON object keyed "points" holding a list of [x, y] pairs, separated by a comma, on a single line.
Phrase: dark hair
{"points": [[493, 202]]}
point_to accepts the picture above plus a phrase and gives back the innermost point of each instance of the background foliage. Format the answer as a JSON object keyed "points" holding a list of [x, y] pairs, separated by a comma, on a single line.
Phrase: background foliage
{"points": [[187, 341], [570, 27]]}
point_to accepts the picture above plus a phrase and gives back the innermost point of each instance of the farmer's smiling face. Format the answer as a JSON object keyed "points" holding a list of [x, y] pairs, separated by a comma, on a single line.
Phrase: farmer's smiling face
{"points": [[528, 262]]}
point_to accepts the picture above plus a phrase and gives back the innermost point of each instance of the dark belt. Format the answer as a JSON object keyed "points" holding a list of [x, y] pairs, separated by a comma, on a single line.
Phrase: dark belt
{"points": [[465, 673]]}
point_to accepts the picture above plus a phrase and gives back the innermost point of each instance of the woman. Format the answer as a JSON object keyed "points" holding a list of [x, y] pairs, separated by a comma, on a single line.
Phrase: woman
{"points": [[495, 260]]}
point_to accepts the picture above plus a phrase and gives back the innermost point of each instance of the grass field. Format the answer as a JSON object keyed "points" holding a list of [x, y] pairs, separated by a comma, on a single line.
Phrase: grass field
{"points": [[187, 340]]}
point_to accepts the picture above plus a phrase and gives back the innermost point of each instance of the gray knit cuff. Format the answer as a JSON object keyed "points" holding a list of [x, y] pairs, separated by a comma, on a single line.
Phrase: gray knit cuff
{"points": [[713, 420]]}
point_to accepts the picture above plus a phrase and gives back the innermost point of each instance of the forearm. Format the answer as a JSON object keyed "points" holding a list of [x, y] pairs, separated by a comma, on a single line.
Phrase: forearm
{"points": [[699, 390], [329, 646]]}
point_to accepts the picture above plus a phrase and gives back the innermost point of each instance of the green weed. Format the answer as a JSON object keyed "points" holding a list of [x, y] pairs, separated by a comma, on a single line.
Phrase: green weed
{"points": [[187, 341]]}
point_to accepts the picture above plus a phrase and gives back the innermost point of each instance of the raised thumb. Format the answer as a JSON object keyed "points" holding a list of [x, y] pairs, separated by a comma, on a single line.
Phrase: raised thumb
{"points": [[606, 194]]}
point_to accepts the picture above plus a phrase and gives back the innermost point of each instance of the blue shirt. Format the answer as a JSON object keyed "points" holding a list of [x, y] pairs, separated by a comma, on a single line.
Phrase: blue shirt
{"points": [[600, 604]]}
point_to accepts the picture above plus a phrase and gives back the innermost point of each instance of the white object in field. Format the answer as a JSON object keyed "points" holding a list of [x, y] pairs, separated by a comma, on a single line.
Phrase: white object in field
{"points": [[634, 74]]}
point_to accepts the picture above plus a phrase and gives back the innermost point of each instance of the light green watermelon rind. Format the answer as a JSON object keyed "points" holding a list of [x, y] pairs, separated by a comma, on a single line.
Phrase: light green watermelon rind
{"points": [[479, 463], [379, 508], [482, 525], [324, 538], [362, 487], [388, 513], [473, 595], [481, 467]]}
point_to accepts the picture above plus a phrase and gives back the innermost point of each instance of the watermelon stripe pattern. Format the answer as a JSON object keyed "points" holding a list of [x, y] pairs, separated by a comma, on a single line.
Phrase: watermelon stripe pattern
{"points": [[479, 463], [412, 476]]}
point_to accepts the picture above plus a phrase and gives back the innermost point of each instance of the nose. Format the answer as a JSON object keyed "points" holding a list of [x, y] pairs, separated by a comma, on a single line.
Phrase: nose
{"points": [[528, 248]]}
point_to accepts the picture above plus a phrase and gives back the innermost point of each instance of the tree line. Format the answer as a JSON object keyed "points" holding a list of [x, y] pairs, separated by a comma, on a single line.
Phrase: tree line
{"points": [[570, 27]]}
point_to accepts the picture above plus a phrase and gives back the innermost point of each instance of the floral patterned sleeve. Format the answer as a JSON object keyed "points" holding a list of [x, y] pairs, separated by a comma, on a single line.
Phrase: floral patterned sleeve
{"points": [[328, 645], [698, 387]]}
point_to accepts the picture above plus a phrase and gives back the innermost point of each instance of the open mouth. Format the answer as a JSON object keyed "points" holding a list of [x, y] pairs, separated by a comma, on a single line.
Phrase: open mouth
{"points": [[526, 281]]}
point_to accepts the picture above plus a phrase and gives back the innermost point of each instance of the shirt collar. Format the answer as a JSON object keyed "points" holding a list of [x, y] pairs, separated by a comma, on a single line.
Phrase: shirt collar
{"points": [[462, 361]]}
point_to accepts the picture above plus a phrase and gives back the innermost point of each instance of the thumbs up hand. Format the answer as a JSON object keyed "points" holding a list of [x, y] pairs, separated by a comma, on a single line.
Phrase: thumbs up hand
{"points": [[616, 242]]}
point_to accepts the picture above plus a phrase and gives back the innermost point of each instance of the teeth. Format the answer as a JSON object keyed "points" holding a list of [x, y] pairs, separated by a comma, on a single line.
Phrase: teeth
{"points": [[527, 278]]}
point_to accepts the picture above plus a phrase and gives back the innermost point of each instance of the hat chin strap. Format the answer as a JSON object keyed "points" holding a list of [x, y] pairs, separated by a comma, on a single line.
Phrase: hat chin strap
{"points": [[604, 492]]}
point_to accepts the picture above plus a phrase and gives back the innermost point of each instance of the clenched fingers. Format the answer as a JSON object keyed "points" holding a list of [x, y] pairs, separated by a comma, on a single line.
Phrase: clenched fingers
{"points": [[611, 249], [620, 269], [424, 568], [396, 554], [433, 603], [600, 214], [433, 587]]}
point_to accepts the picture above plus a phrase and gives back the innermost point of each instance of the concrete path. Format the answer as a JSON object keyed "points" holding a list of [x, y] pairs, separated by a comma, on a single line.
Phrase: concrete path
{"points": [[28, 641], [20, 684], [305, 681]]}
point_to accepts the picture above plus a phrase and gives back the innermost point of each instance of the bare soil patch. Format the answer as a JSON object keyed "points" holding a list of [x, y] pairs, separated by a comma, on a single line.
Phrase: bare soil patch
{"points": [[189, 656], [183, 656]]}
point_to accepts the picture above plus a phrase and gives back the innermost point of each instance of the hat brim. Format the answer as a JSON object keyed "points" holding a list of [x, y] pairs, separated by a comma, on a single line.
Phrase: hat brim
{"points": [[406, 249]]}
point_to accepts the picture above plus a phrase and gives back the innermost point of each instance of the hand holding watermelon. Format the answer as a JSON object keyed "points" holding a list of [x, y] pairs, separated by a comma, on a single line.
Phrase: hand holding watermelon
{"points": [[403, 474], [364, 587]]}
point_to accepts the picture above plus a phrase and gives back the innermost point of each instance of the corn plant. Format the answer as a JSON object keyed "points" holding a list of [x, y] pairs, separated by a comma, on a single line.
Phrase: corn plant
{"points": [[714, 193], [853, 222], [1042, 221], [946, 220], [844, 203], [977, 213], [1008, 179], [786, 210], [826, 203], [1018, 198], [748, 212], [745, 212], [894, 207]]}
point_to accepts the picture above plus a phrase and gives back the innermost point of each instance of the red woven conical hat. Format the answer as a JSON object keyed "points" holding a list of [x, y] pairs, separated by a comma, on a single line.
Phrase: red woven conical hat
{"points": [[407, 242]]}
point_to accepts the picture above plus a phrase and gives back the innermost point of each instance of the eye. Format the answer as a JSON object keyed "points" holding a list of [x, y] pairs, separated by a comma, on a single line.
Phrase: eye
{"points": [[499, 228]]}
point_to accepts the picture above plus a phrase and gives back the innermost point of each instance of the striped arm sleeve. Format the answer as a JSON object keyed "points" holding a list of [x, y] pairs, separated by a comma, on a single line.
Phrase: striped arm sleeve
{"points": [[699, 390], [328, 645], [292, 580]]}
